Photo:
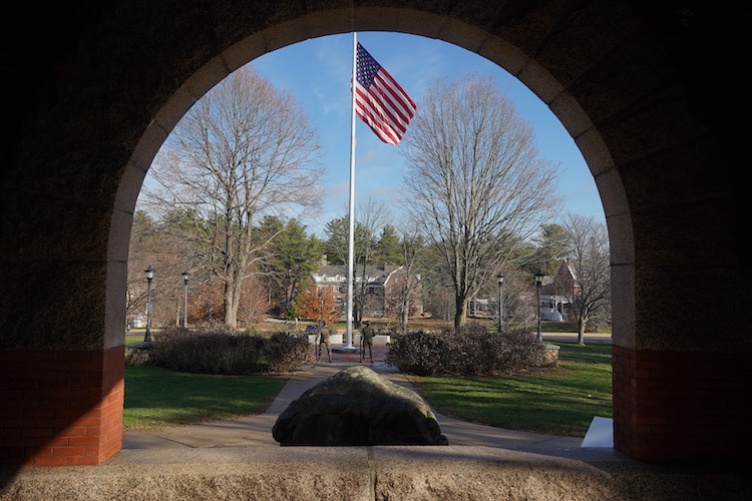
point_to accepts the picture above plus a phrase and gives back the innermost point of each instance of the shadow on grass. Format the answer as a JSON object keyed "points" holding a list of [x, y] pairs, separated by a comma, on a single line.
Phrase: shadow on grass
{"points": [[157, 397]]}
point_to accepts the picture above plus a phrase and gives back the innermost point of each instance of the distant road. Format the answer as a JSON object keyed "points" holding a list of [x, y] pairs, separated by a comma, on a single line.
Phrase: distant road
{"points": [[572, 336]]}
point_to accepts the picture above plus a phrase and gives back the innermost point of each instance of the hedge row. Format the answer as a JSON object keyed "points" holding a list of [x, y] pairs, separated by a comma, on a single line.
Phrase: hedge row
{"points": [[471, 350], [230, 353]]}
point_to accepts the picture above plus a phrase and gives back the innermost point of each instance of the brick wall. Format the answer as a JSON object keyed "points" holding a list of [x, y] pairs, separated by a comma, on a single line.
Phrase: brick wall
{"points": [[60, 407], [682, 406]]}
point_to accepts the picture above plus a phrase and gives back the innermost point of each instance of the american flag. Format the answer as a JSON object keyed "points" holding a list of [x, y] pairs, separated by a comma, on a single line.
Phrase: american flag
{"points": [[380, 101]]}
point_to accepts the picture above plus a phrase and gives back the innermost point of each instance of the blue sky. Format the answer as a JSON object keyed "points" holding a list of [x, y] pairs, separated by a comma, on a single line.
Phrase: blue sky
{"points": [[317, 73]]}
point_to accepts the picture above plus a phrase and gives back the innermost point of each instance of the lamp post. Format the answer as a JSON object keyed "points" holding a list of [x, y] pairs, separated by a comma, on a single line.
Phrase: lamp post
{"points": [[149, 275], [500, 280], [538, 282], [186, 276]]}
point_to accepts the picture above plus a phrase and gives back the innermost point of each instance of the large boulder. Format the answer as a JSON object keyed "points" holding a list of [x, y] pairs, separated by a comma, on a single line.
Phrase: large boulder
{"points": [[356, 406]]}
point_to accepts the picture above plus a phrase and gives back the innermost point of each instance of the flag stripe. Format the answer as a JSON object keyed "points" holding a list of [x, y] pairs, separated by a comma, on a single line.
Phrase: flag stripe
{"points": [[379, 112], [398, 94], [394, 109], [380, 101], [376, 116], [392, 104]]}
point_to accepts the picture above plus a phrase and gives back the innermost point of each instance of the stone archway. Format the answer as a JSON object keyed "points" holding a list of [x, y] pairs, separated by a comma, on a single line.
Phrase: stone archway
{"points": [[493, 48], [625, 83]]}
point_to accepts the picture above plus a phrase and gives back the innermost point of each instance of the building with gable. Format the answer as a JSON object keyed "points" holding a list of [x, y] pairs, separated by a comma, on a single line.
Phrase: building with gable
{"points": [[556, 291], [385, 287]]}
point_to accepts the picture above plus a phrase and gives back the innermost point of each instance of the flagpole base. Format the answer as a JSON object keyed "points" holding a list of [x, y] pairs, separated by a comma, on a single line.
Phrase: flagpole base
{"points": [[349, 348]]}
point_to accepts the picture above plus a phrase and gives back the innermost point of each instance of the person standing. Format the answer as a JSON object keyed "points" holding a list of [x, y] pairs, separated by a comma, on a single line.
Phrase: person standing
{"points": [[366, 341], [325, 332]]}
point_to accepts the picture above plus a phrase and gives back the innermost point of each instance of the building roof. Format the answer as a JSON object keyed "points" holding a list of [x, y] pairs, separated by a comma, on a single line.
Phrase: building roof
{"points": [[338, 273]]}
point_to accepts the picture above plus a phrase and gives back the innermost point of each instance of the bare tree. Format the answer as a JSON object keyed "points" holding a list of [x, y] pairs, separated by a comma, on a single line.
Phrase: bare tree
{"points": [[436, 286], [474, 180], [590, 294], [409, 281], [370, 218], [140, 256], [243, 152]]}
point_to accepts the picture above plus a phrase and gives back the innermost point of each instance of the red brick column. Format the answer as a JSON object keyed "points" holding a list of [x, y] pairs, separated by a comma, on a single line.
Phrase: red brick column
{"points": [[682, 406], [60, 407]]}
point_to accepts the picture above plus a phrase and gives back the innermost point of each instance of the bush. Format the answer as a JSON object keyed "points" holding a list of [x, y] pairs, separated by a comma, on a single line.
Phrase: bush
{"points": [[230, 353], [511, 351], [285, 352], [417, 353], [208, 352], [471, 350]]}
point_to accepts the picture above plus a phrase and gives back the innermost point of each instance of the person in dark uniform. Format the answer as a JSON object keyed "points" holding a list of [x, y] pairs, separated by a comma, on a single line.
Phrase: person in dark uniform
{"points": [[325, 332], [366, 341]]}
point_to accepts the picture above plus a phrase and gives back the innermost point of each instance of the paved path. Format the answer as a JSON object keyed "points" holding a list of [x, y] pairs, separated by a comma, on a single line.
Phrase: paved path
{"points": [[257, 429]]}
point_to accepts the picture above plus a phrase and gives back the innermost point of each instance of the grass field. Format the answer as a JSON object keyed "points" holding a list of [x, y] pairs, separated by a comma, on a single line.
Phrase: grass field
{"points": [[560, 401], [133, 337], [156, 397]]}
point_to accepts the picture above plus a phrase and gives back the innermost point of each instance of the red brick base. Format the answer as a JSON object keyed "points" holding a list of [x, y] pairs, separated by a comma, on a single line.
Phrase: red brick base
{"points": [[60, 407], [682, 406]]}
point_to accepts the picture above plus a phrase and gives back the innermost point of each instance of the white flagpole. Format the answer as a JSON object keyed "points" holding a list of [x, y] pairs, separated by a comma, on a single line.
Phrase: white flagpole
{"points": [[351, 237]]}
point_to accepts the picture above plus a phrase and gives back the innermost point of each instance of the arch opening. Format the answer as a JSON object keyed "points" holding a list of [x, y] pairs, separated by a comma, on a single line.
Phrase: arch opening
{"points": [[175, 113], [634, 97]]}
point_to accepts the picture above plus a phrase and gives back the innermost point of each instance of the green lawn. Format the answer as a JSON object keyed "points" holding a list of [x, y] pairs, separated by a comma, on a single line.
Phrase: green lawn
{"points": [[133, 337], [559, 401], [156, 397]]}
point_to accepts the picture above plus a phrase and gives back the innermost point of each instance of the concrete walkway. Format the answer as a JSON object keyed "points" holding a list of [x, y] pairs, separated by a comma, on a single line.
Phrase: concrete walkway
{"points": [[257, 429]]}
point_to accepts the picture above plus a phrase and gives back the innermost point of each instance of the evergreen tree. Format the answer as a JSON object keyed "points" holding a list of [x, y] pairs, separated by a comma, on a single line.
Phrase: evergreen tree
{"points": [[388, 247]]}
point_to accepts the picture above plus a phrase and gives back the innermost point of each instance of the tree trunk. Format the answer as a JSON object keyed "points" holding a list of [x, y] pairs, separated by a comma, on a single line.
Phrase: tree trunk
{"points": [[404, 314], [460, 312], [231, 304], [581, 331]]}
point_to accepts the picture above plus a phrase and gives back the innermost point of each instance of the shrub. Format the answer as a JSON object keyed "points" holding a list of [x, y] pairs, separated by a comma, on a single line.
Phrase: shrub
{"points": [[471, 350], [209, 352], [222, 351], [510, 351], [285, 351], [416, 353]]}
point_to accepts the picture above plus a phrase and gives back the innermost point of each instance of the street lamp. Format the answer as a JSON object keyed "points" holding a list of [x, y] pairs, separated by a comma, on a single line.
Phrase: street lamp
{"points": [[538, 282], [149, 275], [500, 280], [186, 276]]}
